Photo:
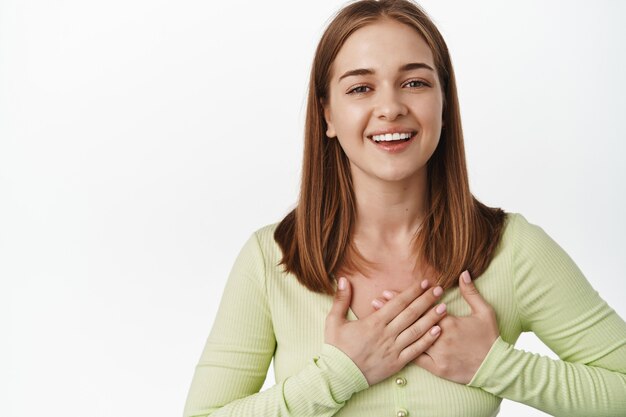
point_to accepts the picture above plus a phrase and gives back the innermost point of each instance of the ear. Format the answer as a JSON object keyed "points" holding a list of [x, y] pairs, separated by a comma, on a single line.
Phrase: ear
{"points": [[330, 130]]}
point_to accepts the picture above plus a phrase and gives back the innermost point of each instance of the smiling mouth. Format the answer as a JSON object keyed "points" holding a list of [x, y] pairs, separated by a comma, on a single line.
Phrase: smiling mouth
{"points": [[392, 137]]}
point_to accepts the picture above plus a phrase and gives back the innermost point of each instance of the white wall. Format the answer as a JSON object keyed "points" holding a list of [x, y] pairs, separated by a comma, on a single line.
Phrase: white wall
{"points": [[130, 177]]}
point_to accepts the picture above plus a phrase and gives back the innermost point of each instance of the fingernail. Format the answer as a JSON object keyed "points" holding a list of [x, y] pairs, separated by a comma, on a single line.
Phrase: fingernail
{"points": [[424, 284], [342, 283], [438, 291], [377, 303], [466, 277], [441, 308], [435, 330], [388, 294]]}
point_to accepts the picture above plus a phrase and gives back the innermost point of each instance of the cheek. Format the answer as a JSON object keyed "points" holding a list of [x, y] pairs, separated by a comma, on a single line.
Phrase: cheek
{"points": [[351, 121], [430, 112]]}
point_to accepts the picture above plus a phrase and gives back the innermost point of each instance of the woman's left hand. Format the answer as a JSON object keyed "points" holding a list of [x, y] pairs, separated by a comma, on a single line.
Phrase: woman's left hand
{"points": [[464, 341]]}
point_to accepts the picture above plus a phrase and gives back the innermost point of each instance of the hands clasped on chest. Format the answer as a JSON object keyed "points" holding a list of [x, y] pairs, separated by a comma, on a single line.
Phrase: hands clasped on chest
{"points": [[406, 327]]}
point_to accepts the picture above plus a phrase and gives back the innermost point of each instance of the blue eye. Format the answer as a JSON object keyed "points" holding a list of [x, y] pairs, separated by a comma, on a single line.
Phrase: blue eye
{"points": [[358, 87]]}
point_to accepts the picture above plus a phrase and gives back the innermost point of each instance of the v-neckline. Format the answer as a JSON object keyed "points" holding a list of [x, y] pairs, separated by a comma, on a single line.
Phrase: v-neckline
{"points": [[351, 316]]}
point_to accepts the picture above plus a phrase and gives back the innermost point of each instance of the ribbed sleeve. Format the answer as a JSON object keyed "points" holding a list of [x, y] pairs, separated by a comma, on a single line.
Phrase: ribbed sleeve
{"points": [[237, 354], [556, 302]]}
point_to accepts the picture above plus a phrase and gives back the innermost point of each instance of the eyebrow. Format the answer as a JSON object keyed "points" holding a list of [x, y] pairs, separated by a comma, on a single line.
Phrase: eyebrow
{"points": [[369, 71]]}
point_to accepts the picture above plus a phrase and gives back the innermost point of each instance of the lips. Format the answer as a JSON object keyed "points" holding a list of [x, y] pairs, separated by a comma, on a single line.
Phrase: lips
{"points": [[393, 146]]}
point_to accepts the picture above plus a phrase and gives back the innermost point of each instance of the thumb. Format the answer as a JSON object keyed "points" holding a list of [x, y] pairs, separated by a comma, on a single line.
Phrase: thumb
{"points": [[341, 302], [471, 295]]}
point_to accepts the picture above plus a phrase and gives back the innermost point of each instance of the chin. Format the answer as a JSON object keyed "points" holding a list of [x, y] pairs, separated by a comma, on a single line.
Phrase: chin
{"points": [[397, 178], [397, 175]]}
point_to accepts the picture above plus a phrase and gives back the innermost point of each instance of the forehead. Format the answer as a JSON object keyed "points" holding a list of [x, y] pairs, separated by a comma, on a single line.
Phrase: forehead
{"points": [[384, 44]]}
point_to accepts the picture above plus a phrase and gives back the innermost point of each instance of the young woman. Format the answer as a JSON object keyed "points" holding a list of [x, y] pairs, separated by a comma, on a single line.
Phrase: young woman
{"points": [[386, 222]]}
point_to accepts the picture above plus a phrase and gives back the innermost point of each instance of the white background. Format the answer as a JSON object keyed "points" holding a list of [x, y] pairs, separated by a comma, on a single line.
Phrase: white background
{"points": [[141, 142]]}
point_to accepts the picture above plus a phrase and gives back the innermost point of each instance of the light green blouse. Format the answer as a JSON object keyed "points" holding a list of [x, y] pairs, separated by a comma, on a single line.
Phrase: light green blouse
{"points": [[532, 284]]}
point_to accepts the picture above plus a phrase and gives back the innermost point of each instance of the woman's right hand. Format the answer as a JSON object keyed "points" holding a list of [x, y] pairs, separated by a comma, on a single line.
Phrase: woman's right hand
{"points": [[384, 342]]}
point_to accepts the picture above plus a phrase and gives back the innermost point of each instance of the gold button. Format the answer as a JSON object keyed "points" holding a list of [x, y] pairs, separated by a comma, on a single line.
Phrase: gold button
{"points": [[400, 381], [402, 413]]}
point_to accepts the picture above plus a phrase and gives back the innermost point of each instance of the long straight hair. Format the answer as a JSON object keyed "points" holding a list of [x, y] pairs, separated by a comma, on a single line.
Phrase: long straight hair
{"points": [[457, 233]]}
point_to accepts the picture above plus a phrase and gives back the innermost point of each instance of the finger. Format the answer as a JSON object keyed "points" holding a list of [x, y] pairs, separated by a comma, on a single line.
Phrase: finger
{"points": [[426, 361], [378, 303], [414, 311], [341, 302], [421, 326], [471, 295], [395, 306], [418, 348], [389, 294]]}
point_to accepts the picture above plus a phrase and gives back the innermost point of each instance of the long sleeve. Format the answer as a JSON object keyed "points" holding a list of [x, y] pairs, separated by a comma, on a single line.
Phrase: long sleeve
{"points": [[239, 349], [556, 302]]}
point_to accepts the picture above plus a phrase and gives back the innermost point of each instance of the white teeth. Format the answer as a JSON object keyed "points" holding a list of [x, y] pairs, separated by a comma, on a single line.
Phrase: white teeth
{"points": [[391, 136]]}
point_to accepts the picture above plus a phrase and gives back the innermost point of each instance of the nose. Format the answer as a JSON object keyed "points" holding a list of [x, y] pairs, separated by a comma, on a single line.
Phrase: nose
{"points": [[389, 105]]}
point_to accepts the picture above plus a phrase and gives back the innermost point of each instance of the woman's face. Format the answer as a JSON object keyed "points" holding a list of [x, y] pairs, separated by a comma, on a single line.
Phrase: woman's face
{"points": [[394, 89]]}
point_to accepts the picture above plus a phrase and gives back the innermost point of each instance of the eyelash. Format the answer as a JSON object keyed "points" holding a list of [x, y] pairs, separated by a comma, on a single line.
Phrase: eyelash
{"points": [[353, 92]]}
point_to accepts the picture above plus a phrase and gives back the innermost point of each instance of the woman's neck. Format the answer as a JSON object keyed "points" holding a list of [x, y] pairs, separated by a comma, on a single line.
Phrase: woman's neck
{"points": [[389, 213]]}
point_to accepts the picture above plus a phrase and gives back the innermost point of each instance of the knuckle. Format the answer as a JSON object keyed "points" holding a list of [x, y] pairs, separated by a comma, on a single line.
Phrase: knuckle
{"points": [[416, 331], [472, 290], [414, 310]]}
